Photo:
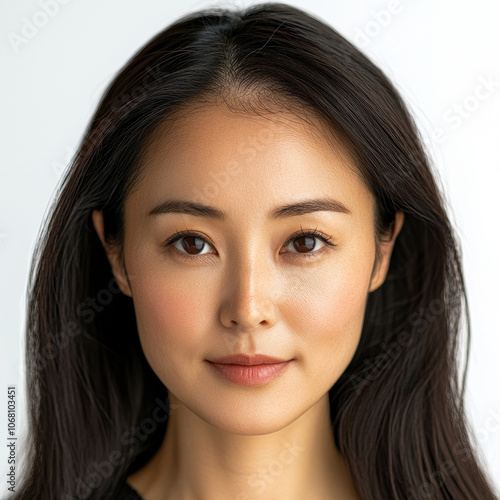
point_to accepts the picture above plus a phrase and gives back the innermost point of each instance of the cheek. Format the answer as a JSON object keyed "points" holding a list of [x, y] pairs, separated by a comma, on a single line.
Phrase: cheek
{"points": [[333, 312], [328, 317], [169, 320]]}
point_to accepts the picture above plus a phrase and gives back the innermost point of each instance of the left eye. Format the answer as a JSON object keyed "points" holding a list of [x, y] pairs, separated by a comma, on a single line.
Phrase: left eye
{"points": [[304, 242]]}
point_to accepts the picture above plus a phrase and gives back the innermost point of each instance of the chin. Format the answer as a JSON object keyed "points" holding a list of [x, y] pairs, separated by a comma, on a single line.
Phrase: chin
{"points": [[248, 425], [246, 415]]}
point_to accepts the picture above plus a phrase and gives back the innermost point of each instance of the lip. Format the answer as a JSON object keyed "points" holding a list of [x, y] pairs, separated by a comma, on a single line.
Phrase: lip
{"points": [[249, 370], [246, 360]]}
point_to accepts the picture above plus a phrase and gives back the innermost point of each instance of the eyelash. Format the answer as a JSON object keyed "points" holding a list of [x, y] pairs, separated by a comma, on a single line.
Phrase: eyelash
{"points": [[314, 233]]}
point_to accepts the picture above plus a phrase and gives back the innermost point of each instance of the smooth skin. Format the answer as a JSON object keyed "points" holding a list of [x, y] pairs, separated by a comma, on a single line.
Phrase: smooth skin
{"points": [[251, 289]]}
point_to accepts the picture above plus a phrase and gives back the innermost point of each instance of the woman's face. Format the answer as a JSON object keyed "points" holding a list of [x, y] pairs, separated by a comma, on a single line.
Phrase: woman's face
{"points": [[246, 282]]}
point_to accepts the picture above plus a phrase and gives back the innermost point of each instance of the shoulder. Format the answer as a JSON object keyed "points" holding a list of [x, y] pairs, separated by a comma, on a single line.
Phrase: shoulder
{"points": [[126, 492]]}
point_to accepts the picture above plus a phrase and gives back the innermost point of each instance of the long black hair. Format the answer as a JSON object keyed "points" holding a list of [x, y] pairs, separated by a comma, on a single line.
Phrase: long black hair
{"points": [[97, 410]]}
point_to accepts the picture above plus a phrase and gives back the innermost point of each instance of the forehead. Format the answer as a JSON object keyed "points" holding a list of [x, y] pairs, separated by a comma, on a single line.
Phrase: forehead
{"points": [[218, 157]]}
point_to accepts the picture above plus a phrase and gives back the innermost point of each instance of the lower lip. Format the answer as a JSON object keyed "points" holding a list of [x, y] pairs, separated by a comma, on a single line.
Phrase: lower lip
{"points": [[250, 375]]}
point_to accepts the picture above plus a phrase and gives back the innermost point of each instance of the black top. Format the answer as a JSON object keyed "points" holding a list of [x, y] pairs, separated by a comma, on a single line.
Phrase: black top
{"points": [[126, 492]]}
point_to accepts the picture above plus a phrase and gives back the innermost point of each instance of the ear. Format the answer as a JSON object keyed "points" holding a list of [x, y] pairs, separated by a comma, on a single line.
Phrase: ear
{"points": [[379, 274], [116, 266]]}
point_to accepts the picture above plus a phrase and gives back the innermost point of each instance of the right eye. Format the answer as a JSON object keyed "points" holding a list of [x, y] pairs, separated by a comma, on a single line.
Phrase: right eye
{"points": [[189, 241]]}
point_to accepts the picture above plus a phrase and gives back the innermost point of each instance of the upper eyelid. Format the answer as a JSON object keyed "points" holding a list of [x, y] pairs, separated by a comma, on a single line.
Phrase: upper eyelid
{"points": [[314, 233]]}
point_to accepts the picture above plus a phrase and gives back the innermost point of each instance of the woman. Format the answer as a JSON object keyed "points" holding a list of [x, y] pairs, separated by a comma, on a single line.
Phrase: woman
{"points": [[248, 286]]}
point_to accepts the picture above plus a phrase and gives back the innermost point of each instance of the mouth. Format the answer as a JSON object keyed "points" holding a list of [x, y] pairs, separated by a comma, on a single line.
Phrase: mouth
{"points": [[250, 372], [248, 360]]}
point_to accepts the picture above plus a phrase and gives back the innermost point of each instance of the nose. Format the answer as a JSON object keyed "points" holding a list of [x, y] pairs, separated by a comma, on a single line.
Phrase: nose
{"points": [[250, 301]]}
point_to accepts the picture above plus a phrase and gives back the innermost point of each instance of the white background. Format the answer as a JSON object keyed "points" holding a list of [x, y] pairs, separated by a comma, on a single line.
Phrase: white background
{"points": [[439, 54]]}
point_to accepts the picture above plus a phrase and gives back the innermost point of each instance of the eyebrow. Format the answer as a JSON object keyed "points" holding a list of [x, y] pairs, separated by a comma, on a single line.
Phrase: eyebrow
{"points": [[281, 212]]}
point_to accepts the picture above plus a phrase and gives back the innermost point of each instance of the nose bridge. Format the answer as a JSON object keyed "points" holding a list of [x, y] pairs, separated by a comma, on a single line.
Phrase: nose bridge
{"points": [[249, 300]]}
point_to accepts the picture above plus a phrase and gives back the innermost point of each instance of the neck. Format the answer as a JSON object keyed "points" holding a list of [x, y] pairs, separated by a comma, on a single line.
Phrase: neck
{"points": [[198, 461]]}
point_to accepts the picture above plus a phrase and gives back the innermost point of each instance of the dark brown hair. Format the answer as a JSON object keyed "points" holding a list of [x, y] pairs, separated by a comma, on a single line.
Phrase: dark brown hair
{"points": [[397, 410]]}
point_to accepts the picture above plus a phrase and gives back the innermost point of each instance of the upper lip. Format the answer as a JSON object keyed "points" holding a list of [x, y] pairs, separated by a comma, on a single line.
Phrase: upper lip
{"points": [[243, 359]]}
